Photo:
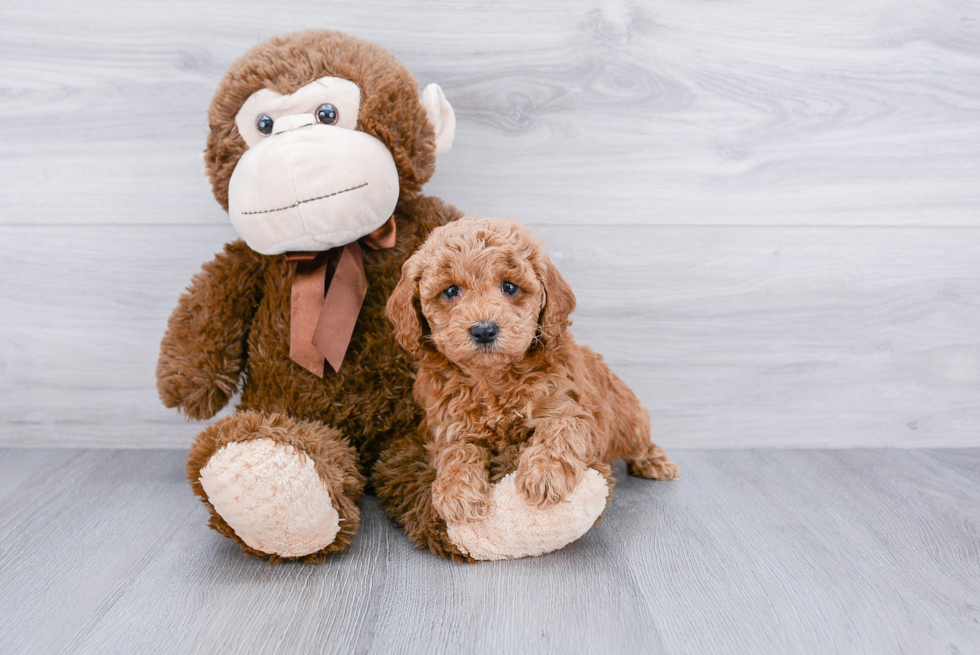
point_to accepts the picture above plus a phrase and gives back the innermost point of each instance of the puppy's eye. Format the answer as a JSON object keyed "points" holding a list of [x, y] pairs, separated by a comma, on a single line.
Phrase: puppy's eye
{"points": [[510, 288], [451, 292]]}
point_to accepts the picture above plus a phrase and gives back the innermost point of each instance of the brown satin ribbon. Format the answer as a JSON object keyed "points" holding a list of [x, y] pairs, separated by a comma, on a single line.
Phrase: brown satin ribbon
{"points": [[321, 325]]}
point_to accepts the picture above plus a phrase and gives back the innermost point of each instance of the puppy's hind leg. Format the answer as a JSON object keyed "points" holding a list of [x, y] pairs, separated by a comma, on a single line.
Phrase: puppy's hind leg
{"points": [[645, 459], [655, 464]]}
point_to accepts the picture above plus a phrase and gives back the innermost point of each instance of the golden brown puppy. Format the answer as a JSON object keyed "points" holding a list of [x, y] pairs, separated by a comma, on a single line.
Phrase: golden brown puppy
{"points": [[486, 313]]}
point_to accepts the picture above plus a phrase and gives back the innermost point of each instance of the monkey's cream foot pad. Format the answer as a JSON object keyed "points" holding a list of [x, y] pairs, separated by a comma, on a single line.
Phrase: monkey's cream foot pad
{"points": [[272, 497], [513, 528]]}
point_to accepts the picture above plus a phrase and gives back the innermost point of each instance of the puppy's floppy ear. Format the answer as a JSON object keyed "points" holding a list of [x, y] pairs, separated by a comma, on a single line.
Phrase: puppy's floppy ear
{"points": [[559, 302], [404, 310]]}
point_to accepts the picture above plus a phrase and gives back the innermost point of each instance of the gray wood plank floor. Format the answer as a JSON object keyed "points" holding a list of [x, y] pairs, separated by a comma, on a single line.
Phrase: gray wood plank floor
{"points": [[753, 551]]}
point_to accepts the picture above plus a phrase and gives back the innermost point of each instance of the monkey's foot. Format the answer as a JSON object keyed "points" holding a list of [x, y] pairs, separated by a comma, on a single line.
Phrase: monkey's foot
{"points": [[279, 487], [272, 497], [515, 528]]}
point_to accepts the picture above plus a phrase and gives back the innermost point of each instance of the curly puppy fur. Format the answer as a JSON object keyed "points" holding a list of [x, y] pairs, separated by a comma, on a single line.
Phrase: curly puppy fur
{"points": [[232, 324], [531, 390]]}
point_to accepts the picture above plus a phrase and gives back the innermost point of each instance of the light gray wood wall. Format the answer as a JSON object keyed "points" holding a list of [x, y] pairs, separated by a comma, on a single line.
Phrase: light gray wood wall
{"points": [[770, 210]]}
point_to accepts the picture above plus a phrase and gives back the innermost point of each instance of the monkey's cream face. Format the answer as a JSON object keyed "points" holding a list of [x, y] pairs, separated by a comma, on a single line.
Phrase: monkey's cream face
{"points": [[481, 304], [310, 181]]}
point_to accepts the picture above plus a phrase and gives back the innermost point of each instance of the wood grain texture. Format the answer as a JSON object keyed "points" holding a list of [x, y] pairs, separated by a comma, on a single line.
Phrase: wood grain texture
{"points": [[752, 551], [770, 210], [570, 111], [784, 337]]}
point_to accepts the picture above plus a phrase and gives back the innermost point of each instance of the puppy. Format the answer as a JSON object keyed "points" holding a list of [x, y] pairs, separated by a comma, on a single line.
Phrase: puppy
{"points": [[501, 379]]}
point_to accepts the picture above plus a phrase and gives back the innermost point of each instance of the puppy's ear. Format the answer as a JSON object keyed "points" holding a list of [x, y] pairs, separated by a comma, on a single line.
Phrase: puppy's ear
{"points": [[404, 310], [559, 302]]}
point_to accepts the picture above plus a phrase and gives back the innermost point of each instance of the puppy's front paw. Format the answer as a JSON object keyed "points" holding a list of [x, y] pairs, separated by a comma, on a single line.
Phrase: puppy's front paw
{"points": [[459, 499], [545, 478]]}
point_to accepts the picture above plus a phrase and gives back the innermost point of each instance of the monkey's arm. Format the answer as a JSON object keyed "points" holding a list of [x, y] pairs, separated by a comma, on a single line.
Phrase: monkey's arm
{"points": [[203, 351]]}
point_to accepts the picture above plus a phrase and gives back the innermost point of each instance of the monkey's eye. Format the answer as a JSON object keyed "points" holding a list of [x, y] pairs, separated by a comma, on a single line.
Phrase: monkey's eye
{"points": [[510, 288], [327, 114], [451, 292], [264, 124]]}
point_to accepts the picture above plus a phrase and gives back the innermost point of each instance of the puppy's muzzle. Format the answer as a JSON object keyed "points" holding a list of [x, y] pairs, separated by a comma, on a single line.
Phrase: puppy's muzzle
{"points": [[484, 333]]}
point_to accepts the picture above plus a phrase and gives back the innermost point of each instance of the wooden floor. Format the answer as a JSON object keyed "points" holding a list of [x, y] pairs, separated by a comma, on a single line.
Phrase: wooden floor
{"points": [[753, 551]]}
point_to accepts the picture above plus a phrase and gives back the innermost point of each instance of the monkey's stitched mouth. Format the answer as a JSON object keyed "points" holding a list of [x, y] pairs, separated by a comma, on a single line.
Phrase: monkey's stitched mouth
{"points": [[300, 202]]}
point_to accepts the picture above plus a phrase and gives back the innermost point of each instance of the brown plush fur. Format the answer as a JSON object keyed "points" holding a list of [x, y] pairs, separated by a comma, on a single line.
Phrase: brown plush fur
{"points": [[532, 392], [232, 324], [403, 478]]}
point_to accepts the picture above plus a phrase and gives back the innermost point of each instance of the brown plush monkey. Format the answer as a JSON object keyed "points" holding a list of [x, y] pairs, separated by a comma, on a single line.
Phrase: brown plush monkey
{"points": [[319, 147]]}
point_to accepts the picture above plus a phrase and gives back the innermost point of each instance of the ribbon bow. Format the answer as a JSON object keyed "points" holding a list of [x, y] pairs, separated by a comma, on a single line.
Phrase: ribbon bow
{"points": [[321, 325]]}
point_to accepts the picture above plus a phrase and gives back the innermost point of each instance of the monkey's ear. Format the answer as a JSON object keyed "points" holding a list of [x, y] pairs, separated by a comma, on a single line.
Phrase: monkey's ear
{"points": [[405, 311], [441, 115]]}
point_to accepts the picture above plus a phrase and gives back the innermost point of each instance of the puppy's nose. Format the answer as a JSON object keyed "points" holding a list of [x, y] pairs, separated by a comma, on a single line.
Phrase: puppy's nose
{"points": [[484, 332]]}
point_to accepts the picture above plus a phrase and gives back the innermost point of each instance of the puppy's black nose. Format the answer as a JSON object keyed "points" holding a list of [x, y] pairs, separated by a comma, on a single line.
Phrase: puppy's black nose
{"points": [[485, 332]]}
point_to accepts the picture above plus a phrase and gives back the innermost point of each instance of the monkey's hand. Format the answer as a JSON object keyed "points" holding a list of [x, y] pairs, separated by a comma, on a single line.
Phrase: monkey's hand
{"points": [[198, 389], [203, 352]]}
